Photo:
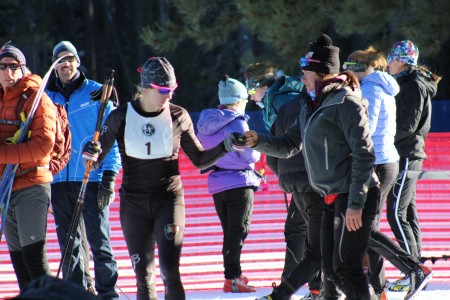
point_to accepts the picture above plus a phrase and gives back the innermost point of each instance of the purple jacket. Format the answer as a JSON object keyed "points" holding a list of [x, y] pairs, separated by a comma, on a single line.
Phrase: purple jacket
{"points": [[235, 169]]}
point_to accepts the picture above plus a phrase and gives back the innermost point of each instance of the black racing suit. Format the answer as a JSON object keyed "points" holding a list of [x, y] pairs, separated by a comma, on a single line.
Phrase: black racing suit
{"points": [[152, 206]]}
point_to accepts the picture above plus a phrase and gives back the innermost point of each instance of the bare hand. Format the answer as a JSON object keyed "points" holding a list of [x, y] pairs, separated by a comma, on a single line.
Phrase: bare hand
{"points": [[353, 219], [251, 138]]}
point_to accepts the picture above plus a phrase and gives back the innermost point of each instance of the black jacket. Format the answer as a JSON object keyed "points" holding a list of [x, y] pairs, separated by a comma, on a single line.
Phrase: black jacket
{"points": [[413, 113], [290, 171]]}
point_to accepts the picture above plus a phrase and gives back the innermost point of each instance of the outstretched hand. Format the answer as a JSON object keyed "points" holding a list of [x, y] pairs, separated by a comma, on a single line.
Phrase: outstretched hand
{"points": [[235, 141], [251, 138]]}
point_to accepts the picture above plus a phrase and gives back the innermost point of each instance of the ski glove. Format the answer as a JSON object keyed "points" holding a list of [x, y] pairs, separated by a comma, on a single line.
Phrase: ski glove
{"points": [[235, 141], [106, 195], [91, 151]]}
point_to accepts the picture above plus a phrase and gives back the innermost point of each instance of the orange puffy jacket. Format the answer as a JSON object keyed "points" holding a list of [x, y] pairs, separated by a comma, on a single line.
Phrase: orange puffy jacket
{"points": [[34, 154]]}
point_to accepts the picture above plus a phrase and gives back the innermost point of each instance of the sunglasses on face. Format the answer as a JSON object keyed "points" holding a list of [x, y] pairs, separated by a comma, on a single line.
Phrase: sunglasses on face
{"points": [[305, 61], [162, 89], [69, 59], [11, 66], [251, 85], [251, 91]]}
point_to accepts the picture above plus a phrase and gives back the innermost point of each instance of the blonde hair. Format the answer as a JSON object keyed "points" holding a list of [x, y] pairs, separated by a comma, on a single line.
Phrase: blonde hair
{"points": [[370, 57]]}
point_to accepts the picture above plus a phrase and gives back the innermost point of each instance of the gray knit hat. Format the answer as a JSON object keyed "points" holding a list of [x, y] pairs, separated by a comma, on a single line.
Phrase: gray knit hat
{"points": [[65, 46], [11, 51], [231, 91]]}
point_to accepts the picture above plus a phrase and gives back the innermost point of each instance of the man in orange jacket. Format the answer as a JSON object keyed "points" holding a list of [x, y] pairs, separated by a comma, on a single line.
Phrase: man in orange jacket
{"points": [[26, 218]]}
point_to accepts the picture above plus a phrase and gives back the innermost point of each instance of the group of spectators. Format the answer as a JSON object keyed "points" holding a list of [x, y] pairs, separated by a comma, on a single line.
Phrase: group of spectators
{"points": [[341, 143]]}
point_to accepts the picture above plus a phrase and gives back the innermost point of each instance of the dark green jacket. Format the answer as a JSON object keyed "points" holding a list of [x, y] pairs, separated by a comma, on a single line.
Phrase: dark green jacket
{"points": [[283, 91]]}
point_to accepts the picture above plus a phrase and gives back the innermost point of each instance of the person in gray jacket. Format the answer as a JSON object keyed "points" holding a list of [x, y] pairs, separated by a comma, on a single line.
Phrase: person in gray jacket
{"points": [[338, 151]]}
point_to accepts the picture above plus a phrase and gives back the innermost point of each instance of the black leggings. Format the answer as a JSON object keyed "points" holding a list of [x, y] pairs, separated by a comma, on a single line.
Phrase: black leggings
{"points": [[146, 221], [234, 208]]}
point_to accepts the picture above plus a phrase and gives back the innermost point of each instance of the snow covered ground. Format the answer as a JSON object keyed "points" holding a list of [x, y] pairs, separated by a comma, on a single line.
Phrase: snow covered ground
{"points": [[434, 291]]}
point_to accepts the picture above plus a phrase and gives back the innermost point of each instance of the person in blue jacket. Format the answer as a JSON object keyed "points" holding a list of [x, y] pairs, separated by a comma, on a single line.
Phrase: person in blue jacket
{"points": [[73, 90], [233, 180]]}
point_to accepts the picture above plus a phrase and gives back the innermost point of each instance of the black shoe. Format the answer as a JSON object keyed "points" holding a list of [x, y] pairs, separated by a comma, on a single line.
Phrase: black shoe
{"points": [[419, 279]]}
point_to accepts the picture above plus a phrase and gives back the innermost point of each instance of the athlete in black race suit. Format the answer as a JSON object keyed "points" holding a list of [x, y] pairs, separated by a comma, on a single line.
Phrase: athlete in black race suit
{"points": [[149, 132]]}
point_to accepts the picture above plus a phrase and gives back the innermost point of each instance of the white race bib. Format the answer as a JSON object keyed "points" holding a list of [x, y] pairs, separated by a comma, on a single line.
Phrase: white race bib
{"points": [[148, 138]]}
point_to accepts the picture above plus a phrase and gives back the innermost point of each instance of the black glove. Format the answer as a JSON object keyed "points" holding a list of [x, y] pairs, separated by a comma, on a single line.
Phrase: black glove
{"points": [[235, 141], [106, 195], [91, 151]]}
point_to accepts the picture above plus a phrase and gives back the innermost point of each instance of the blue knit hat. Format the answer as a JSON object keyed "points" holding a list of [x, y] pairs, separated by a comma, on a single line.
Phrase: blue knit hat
{"points": [[11, 51], [405, 52], [64, 46], [231, 91]]}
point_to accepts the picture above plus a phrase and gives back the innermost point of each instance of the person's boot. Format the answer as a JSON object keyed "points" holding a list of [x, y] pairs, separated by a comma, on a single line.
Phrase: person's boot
{"points": [[277, 294], [23, 277], [238, 285], [419, 279]]}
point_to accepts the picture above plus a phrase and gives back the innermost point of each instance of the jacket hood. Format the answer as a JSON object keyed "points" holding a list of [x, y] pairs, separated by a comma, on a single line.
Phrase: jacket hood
{"points": [[383, 79], [212, 120], [421, 76], [283, 85]]}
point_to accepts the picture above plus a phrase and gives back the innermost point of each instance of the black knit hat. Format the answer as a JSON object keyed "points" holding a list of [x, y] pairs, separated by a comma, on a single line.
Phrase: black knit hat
{"points": [[159, 71], [324, 56]]}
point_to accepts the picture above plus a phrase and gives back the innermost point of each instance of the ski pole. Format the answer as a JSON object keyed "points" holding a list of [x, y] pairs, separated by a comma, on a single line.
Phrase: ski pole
{"points": [[68, 249]]}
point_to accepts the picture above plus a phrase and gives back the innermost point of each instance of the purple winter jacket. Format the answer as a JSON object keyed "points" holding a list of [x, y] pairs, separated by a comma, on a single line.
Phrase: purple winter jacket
{"points": [[235, 169]]}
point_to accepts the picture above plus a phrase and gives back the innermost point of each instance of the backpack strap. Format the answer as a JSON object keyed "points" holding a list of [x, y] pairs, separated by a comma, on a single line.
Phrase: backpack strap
{"points": [[19, 108], [23, 99]]}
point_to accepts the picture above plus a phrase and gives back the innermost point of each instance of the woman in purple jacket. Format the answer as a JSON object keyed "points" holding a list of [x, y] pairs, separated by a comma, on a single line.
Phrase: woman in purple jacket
{"points": [[233, 180]]}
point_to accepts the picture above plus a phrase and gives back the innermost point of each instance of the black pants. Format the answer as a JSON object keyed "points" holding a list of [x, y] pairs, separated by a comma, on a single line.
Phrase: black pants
{"points": [[402, 211], [343, 250], [310, 265], [387, 173], [295, 234], [234, 208], [147, 220]]}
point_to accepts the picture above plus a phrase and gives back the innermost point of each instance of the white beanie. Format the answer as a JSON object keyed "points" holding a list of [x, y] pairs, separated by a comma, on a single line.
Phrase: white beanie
{"points": [[231, 91]]}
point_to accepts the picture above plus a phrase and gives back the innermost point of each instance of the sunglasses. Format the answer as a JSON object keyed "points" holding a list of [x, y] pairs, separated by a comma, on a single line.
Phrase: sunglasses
{"points": [[11, 66], [305, 61], [162, 89], [70, 59], [355, 66], [251, 91], [251, 84]]}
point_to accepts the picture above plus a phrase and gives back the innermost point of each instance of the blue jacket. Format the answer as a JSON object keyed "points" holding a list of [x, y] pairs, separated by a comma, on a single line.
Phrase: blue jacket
{"points": [[82, 113], [235, 169], [380, 88]]}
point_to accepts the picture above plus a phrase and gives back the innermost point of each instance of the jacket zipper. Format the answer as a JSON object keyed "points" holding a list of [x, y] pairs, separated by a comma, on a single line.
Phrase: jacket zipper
{"points": [[305, 153], [326, 153]]}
